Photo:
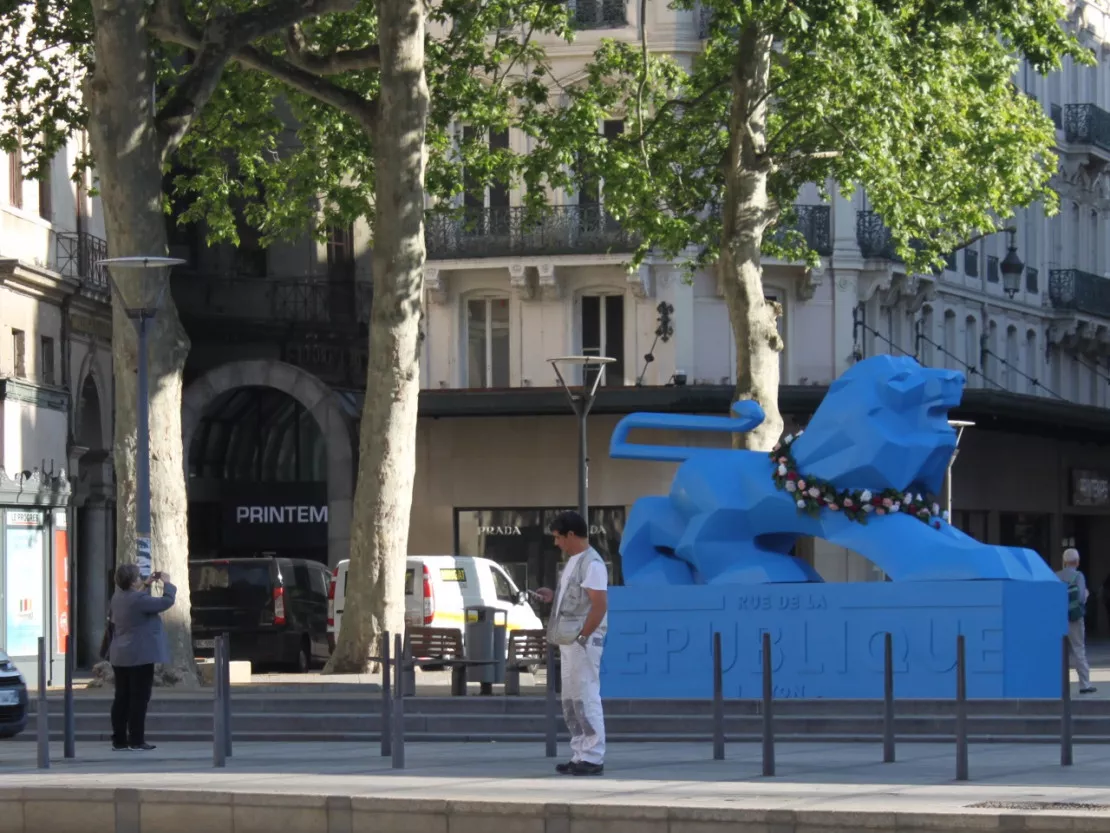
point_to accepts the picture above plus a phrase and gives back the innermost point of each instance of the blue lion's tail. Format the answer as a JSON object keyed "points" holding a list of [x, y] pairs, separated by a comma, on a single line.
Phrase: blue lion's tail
{"points": [[747, 415]]}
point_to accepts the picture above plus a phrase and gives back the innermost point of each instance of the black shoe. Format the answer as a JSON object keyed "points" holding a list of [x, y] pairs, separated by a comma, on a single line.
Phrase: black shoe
{"points": [[143, 747], [118, 748], [565, 769], [1088, 690], [585, 768]]}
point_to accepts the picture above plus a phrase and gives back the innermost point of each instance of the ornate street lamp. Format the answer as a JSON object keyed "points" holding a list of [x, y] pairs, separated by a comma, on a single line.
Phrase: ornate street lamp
{"points": [[1011, 268], [141, 316], [581, 401]]}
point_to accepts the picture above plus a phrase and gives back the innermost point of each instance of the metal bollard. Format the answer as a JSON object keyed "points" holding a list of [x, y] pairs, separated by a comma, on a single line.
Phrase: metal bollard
{"points": [[888, 699], [1065, 708], [399, 657], [227, 694], [387, 698], [768, 715], [42, 716], [219, 747], [961, 709], [551, 745], [70, 716], [718, 701]]}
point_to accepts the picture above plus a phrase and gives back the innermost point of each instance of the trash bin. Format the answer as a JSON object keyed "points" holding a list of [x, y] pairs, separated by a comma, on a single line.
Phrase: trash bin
{"points": [[486, 639]]}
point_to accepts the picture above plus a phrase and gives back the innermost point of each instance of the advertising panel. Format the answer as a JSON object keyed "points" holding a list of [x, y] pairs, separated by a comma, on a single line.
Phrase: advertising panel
{"points": [[25, 610]]}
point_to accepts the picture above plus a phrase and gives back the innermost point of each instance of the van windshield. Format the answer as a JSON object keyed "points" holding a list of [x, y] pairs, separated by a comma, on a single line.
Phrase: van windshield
{"points": [[410, 582], [234, 584]]}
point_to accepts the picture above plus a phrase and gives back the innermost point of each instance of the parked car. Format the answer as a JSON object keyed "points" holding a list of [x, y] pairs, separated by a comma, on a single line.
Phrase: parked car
{"points": [[13, 699], [274, 610], [438, 588]]}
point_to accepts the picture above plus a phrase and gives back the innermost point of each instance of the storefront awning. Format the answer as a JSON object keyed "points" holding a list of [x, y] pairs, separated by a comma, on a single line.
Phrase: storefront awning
{"points": [[991, 410]]}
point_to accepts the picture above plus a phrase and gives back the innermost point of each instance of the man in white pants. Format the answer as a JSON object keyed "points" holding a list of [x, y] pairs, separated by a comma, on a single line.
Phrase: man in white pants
{"points": [[1077, 610], [578, 624]]}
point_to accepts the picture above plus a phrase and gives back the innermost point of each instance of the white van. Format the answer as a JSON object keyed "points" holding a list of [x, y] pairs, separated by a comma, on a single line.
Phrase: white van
{"points": [[438, 588]]}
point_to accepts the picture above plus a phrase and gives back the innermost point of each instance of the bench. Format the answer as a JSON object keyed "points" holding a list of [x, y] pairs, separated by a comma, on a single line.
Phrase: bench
{"points": [[438, 646], [526, 649]]}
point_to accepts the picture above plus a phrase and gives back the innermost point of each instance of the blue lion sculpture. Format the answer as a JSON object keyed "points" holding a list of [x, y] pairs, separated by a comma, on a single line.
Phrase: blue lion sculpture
{"points": [[881, 429]]}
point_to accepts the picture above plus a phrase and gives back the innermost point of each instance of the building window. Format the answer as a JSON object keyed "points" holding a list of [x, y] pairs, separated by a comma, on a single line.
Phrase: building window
{"points": [[487, 333], [19, 353], [603, 334], [971, 263], [46, 203], [46, 360], [15, 178]]}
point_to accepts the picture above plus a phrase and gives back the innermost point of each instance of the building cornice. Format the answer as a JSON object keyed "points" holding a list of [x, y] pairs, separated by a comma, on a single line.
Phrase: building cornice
{"points": [[41, 396], [36, 281]]}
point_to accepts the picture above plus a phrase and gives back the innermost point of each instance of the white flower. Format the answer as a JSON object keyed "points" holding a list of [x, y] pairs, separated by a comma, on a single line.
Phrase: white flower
{"points": [[866, 496], [801, 504], [789, 438], [782, 470], [897, 507], [944, 515], [907, 497], [814, 491], [790, 487], [936, 509], [867, 507], [920, 499]]}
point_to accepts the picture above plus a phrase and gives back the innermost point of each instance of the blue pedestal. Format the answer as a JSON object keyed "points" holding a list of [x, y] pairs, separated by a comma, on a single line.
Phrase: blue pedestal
{"points": [[828, 639]]}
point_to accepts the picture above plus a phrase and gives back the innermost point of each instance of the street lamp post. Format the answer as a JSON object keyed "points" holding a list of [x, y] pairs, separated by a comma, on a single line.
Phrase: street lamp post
{"points": [[141, 316], [959, 425], [582, 402]]}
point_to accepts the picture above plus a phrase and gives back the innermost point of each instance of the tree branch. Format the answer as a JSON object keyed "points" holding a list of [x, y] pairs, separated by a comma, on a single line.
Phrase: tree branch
{"points": [[347, 60], [323, 90], [223, 36], [679, 102]]}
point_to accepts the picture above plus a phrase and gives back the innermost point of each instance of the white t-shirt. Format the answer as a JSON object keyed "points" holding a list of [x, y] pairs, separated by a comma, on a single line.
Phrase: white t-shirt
{"points": [[597, 578]]}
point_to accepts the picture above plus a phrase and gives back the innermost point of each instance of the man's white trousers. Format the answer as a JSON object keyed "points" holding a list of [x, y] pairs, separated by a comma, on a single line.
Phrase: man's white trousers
{"points": [[582, 699]]}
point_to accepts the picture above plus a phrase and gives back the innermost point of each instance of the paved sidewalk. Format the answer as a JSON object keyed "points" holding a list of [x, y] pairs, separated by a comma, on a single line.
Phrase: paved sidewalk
{"points": [[836, 777]]}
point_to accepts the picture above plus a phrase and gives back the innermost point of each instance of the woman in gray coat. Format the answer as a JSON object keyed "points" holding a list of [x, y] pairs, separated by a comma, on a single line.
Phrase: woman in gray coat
{"points": [[138, 642]]}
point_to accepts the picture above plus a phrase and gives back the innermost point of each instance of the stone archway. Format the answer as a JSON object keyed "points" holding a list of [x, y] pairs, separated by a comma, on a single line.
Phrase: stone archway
{"points": [[319, 400], [93, 518]]}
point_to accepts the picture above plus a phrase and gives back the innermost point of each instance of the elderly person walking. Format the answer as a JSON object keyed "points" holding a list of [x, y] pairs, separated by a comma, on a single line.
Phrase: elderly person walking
{"points": [[1077, 609], [138, 642]]}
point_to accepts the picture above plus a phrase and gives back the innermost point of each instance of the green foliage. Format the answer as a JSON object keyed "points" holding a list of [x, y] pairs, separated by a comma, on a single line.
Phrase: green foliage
{"points": [[912, 100], [264, 153]]}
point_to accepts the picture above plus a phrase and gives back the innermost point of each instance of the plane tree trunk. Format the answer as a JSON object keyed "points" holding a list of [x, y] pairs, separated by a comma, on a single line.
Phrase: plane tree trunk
{"points": [[387, 449], [748, 210], [127, 151]]}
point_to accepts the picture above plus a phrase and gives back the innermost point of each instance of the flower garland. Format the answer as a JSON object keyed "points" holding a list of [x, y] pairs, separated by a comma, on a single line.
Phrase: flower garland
{"points": [[813, 494]]}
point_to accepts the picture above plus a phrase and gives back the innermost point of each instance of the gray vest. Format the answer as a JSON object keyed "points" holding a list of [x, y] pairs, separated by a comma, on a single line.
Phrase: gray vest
{"points": [[572, 605]]}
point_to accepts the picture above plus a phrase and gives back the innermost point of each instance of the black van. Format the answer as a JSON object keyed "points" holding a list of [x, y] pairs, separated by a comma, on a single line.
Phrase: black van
{"points": [[274, 610]]}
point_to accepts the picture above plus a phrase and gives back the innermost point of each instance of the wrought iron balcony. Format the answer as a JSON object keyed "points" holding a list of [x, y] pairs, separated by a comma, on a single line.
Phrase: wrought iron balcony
{"points": [[513, 231], [598, 14], [874, 238], [76, 255], [815, 224], [308, 303], [1086, 124], [1073, 289]]}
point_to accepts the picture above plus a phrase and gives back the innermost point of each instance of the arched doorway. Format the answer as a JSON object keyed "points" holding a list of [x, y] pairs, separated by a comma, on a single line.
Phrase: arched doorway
{"points": [[94, 501], [269, 462]]}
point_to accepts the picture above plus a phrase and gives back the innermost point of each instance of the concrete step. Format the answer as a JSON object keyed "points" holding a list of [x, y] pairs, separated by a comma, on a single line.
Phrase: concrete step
{"points": [[164, 702], [373, 739], [278, 724]]}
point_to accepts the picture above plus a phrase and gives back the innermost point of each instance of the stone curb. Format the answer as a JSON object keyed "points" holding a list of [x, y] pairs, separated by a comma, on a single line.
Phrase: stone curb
{"points": [[112, 810]]}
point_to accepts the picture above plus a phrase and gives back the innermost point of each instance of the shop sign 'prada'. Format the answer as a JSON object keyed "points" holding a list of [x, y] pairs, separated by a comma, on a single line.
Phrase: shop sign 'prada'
{"points": [[499, 530]]}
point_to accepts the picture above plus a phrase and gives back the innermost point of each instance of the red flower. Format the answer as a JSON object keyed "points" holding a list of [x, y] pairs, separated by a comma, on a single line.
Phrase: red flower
{"points": [[792, 475]]}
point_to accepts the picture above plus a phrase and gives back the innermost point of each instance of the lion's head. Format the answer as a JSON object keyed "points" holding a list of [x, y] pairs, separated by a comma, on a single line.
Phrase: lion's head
{"points": [[883, 424]]}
